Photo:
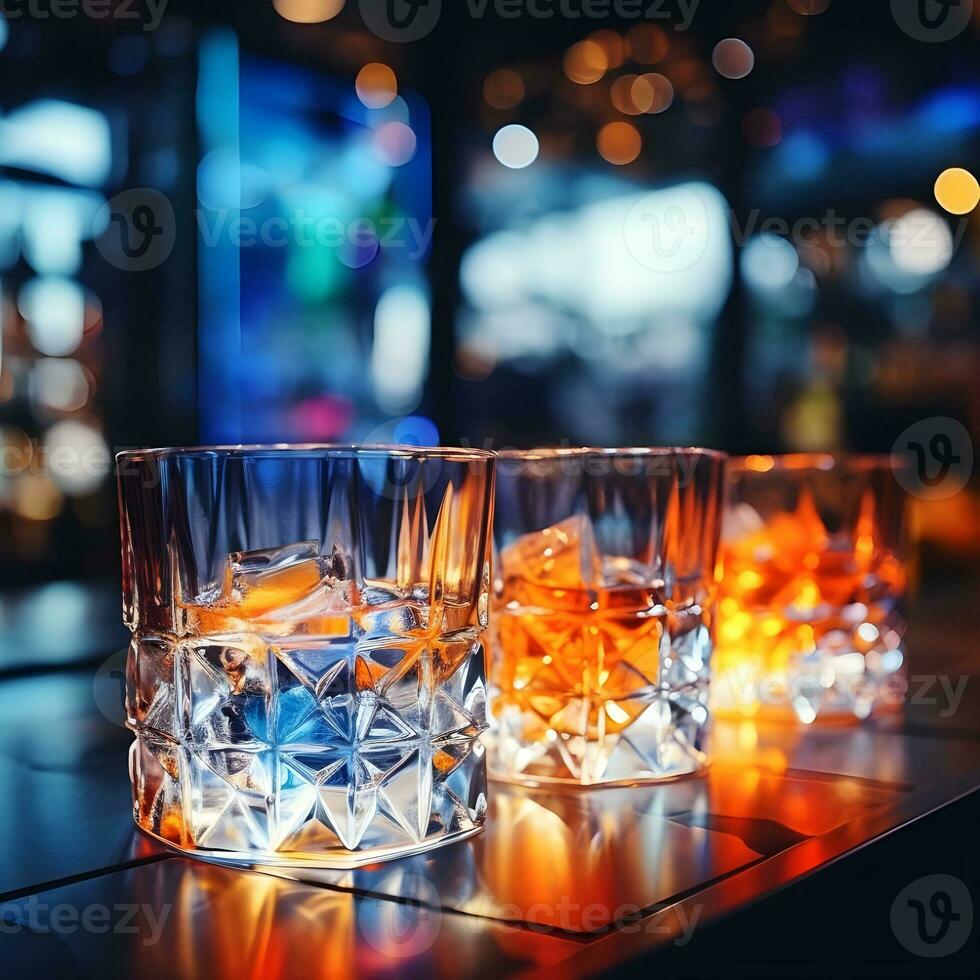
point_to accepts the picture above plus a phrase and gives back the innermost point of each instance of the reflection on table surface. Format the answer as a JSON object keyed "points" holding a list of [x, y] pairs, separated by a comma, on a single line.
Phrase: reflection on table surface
{"points": [[553, 871], [580, 860]]}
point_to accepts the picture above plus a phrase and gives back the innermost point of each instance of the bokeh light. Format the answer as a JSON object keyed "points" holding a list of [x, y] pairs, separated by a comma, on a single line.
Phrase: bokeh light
{"points": [[36, 498], [623, 99], [376, 85], [769, 263], [54, 308], [957, 190], [80, 458], [648, 43], [660, 88], [782, 21], [733, 58], [395, 143], [60, 384], [920, 242], [308, 11], [515, 146], [613, 45], [585, 62], [503, 89], [619, 143]]}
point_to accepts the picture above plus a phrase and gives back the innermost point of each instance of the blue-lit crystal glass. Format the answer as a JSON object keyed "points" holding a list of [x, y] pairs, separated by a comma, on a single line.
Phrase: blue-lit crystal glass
{"points": [[306, 678]]}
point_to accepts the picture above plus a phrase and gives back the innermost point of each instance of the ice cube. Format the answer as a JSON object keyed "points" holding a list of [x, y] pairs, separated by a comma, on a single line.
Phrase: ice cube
{"points": [[289, 567], [563, 556], [740, 521], [285, 590], [260, 582]]}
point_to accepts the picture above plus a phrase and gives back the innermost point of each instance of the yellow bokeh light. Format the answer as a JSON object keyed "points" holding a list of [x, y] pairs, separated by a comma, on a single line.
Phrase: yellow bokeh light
{"points": [[586, 62], [308, 11], [613, 44], [761, 464], [957, 190], [619, 143], [376, 85], [622, 96]]}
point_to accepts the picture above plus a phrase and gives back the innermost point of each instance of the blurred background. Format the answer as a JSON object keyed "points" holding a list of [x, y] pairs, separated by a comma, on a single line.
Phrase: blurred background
{"points": [[751, 226]]}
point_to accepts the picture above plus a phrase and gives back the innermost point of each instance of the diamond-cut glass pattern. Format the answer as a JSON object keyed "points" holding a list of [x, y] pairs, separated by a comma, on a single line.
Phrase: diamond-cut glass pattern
{"points": [[320, 699], [811, 624], [603, 608]]}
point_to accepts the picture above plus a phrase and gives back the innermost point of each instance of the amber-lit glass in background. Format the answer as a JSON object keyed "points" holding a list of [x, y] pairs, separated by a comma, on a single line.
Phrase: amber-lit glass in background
{"points": [[810, 623], [306, 679], [603, 600]]}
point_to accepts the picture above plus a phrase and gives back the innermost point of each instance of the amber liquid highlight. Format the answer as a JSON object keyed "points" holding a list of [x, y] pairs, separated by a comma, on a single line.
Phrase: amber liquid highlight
{"points": [[579, 668], [792, 592]]}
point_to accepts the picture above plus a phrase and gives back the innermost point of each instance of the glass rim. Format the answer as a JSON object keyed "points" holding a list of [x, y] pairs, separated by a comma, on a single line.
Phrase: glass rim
{"points": [[763, 463], [284, 450], [574, 452]]}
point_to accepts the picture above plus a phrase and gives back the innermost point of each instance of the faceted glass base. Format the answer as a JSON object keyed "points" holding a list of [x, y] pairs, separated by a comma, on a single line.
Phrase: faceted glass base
{"points": [[845, 676], [666, 741], [306, 752], [647, 719], [336, 859]]}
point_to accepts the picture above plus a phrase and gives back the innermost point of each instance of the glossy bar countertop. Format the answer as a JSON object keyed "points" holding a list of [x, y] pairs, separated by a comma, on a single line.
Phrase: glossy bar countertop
{"points": [[571, 882]]}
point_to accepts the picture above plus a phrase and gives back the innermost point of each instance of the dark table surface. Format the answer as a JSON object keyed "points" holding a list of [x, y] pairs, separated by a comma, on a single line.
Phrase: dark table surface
{"points": [[568, 883]]}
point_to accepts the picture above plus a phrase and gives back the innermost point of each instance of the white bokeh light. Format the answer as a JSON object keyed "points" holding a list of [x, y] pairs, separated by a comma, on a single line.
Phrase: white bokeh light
{"points": [[54, 308], [515, 146]]}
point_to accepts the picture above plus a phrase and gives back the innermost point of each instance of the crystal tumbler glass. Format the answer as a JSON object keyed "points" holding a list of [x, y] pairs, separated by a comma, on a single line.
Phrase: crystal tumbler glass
{"points": [[306, 678], [603, 601], [810, 623]]}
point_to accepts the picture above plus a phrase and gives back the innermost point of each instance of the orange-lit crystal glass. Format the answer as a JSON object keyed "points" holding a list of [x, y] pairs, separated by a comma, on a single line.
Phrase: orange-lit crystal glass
{"points": [[306, 679], [812, 581], [603, 604]]}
